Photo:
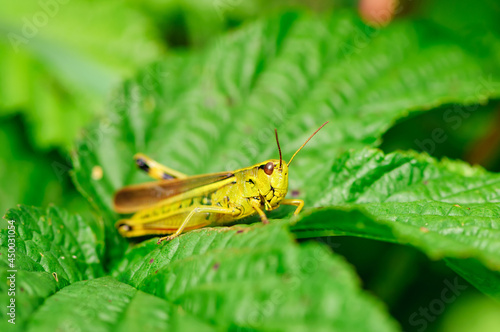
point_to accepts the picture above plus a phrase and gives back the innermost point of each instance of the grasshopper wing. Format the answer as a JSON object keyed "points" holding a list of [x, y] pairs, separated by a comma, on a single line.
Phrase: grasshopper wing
{"points": [[137, 197]]}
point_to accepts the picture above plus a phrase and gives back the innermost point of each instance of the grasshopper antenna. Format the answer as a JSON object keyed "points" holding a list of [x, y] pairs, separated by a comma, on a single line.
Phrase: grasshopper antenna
{"points": [[304, 143], [279, 149]]}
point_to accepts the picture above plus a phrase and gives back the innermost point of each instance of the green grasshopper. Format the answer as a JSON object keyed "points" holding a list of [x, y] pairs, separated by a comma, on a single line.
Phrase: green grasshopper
{"points": [[180, 203]]}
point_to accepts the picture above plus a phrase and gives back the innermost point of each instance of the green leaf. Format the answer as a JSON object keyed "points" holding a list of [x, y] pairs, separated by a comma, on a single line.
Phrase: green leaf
{"points": [[216, 110], [447, 209], [254, 277], [105, 304], [31, 290], [55, 242], [57, 72], [209, 274], [475, 272]]}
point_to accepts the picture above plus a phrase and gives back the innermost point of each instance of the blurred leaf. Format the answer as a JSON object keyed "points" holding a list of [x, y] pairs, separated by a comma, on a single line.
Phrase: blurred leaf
{"points": [[58, 60], [478, 274], [194, 23], [473, 23], [484, 310], [105, 304], [254, 278], [216, 110], [447, 209], [466, 16], [29, 176], [55, 242], [461, 130]]}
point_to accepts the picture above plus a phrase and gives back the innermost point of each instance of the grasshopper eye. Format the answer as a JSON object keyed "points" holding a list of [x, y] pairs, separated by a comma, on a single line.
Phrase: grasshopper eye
{"points": [[269, 168]]}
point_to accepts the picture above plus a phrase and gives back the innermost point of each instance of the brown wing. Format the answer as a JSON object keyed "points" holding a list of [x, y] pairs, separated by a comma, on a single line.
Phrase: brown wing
{"points": [[136, 197]]}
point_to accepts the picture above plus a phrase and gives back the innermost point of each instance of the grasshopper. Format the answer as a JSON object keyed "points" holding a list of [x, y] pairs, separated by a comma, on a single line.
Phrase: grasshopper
{"points": [[178, 202]]}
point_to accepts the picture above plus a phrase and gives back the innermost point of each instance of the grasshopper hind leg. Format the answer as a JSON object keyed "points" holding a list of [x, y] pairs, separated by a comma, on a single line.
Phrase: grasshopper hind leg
{"points": [[156, 170], [199, 209]]}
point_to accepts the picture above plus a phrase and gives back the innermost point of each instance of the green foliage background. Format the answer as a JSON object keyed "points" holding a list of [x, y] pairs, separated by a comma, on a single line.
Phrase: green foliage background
{"points": [[200, 86]]}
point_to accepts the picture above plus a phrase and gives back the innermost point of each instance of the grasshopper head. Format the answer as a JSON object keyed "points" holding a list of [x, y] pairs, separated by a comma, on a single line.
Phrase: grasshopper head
{"points": [[272, 182], [273, 176]]}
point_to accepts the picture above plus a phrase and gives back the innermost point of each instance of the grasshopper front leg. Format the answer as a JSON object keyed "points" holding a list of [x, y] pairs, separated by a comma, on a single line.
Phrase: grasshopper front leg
{"points": [[199, 209], [296, 202], [256, 206]]}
